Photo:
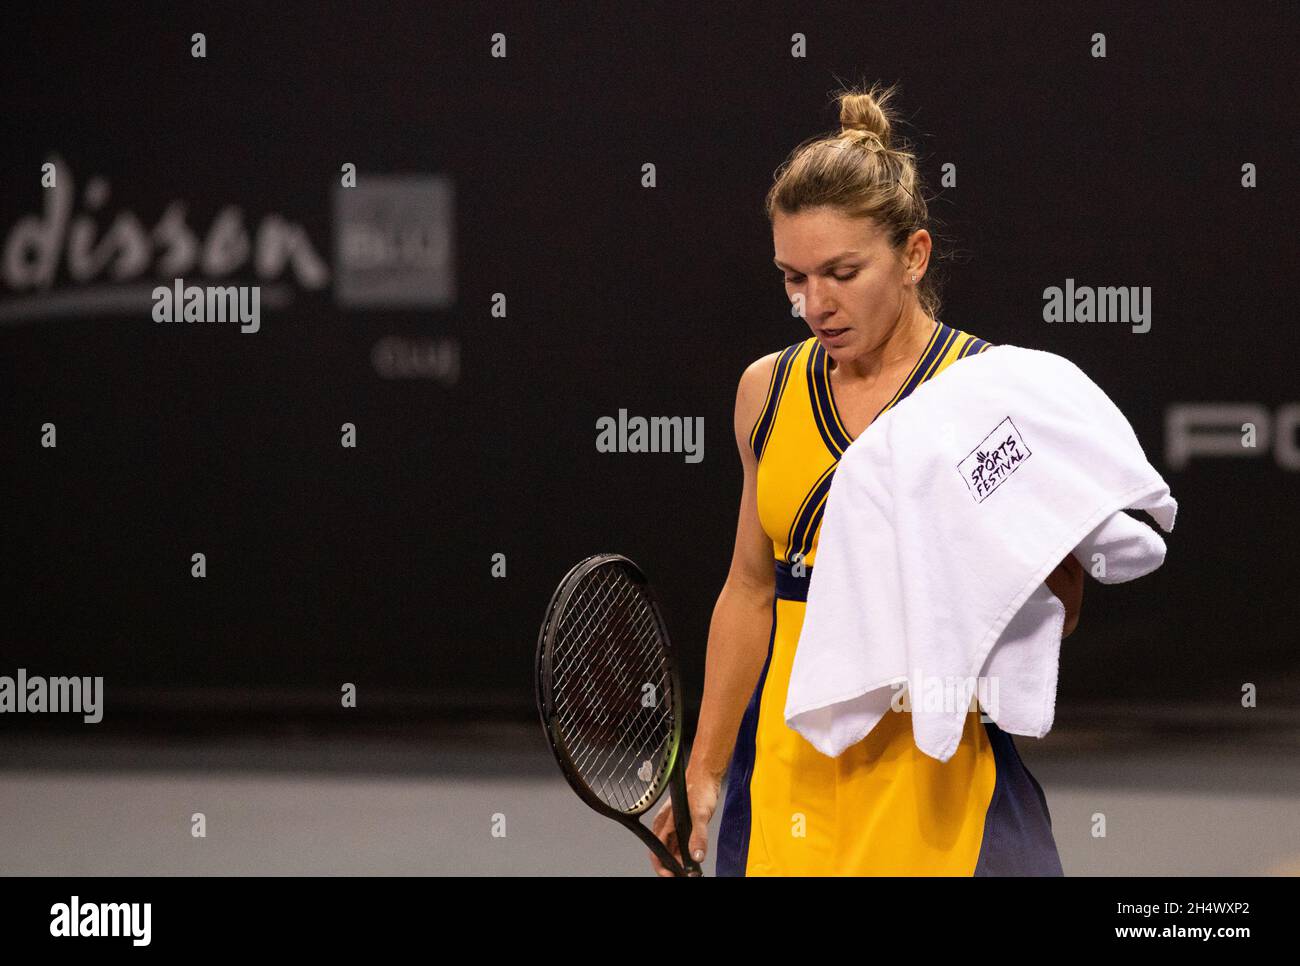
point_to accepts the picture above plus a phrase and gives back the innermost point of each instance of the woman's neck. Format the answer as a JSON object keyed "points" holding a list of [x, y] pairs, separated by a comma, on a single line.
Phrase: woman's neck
{"points": [[901, 346]]}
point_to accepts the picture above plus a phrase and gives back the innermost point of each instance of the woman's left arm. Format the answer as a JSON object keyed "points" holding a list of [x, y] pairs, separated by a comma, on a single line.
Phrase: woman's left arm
{"points": [[1066, 582]]}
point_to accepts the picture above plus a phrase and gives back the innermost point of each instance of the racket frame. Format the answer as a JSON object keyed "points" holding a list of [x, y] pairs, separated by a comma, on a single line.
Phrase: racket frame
{"points": [[676, 783]]}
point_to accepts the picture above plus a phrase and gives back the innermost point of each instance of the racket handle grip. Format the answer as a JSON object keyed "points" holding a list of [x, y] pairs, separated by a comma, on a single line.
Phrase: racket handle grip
{"points": [[682, 815]]}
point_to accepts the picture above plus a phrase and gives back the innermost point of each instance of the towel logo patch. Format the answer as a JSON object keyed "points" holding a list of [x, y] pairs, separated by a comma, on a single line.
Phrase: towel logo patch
{"points": [[998, 456]]}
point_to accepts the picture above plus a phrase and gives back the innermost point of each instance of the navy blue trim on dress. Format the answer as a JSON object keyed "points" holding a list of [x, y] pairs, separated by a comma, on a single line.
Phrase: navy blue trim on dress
{"points": [[790, 587], [808, 520], [762, 431], [825, 415], [737, 813], [1018, 827]]}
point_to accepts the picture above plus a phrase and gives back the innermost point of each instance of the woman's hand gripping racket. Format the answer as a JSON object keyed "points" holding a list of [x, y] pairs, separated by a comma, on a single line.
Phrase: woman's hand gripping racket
{"points": [[610, 698]]}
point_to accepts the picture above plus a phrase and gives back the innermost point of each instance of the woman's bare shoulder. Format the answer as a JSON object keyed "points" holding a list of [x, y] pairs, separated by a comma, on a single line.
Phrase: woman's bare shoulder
{"points": [[755, 387], [759, 373]]}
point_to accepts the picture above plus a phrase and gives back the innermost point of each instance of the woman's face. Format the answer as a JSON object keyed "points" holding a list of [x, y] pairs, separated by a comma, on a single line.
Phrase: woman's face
{"points": [[853, 285]]}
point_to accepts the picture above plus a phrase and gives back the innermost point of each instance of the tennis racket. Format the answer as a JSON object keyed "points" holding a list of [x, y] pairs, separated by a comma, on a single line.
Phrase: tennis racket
{"points": [[610, 698]]}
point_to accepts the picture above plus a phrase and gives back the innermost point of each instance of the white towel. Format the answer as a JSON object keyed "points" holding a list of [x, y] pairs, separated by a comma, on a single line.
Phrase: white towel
{"points": [[942, 522]]}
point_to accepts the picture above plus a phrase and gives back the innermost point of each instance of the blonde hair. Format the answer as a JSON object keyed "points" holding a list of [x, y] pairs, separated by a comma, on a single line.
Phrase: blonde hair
{"points": [[863, 173]]}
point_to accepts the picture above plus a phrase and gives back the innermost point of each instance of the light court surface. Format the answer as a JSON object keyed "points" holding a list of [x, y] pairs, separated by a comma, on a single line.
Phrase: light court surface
{"points": [[435, 805]]}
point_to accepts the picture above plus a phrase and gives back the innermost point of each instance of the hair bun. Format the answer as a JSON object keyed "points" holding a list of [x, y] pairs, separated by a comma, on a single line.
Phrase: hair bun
{"points": [[862, 113]]}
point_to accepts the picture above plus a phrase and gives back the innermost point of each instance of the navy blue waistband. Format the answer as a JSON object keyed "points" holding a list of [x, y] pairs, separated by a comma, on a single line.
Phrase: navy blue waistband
{"points": [[790, 587]]}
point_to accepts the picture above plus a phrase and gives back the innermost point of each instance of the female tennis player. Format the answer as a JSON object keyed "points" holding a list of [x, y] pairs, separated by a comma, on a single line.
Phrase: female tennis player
{"points": [[848, 226]]}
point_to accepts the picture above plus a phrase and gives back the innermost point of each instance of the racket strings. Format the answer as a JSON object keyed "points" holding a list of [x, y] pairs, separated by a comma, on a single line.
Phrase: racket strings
{"points": [[607, 649], [596, 685], [599, 669]]}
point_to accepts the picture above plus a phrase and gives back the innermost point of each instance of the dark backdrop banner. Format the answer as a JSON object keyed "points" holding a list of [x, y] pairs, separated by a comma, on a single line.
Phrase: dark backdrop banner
{"points": [[477, 231]]}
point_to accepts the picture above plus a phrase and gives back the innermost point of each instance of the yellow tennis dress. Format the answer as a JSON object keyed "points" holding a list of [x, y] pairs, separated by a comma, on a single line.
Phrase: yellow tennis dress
{"points": [[883, 807]]}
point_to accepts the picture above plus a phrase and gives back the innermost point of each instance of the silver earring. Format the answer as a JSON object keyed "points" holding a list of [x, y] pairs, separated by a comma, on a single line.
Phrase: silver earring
{"points": [[913, 278]]}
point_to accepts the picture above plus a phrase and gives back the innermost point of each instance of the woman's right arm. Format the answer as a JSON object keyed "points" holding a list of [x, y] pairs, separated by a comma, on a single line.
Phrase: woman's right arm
{"points": [[738, 636]]}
